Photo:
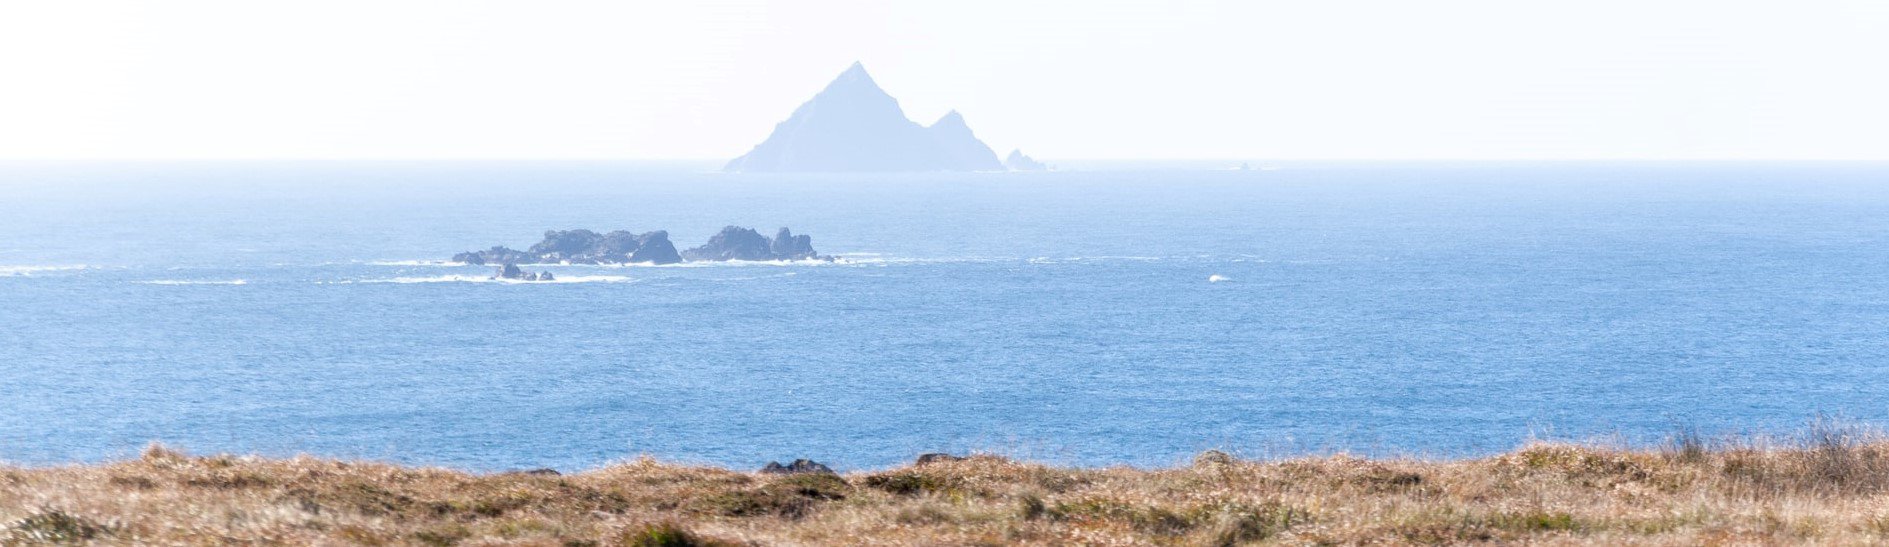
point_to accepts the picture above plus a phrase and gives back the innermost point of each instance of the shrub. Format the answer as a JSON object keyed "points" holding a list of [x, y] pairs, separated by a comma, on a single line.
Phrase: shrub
{"points": [[53, 526]]}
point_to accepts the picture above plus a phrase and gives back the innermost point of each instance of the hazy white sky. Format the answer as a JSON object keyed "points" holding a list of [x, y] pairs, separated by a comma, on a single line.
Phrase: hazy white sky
{"points": [[1062, 79]]}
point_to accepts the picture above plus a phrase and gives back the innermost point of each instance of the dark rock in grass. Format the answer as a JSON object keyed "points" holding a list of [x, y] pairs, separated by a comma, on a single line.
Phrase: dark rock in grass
{"points": [[1213, 457], [938, 457], [539, 472], [799, 466]]}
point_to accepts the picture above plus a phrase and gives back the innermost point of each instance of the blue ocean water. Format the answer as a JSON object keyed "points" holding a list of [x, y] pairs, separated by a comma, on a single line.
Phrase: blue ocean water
{"points": [[1429, 308]]}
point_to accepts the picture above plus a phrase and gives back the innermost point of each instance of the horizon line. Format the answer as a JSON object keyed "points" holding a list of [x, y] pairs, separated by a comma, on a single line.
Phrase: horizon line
{"points": [[1047, 159]]}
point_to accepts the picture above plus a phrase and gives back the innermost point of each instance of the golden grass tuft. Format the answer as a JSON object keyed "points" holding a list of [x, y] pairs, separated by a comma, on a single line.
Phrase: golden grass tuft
{"points": [[1829, 487]]}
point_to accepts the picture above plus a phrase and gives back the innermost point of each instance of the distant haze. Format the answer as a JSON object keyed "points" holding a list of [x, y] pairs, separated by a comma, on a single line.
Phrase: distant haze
{"points": [[1358, 79]]}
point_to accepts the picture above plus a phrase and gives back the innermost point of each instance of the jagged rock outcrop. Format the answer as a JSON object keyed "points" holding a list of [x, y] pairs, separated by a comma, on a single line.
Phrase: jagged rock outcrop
{"points": [[788, 246], [584, 247], [1016, 161], [513, 272], [620, 247], [854, 126], [494, 255], [737, 243]]}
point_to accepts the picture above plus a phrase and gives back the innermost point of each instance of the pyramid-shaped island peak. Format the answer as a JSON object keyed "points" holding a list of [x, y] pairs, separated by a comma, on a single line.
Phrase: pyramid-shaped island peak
{"points": [[853, 126]]}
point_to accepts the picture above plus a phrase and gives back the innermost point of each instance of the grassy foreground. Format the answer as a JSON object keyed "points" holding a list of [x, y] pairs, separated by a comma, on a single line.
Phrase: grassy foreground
{"points": [[1833, 490]]}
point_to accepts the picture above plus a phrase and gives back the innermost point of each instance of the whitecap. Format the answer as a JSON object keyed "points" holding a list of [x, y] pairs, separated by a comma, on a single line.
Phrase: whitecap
{"points": [[1217, 278], [437, 263], [754, 277], [6, 271], [194, 282]]}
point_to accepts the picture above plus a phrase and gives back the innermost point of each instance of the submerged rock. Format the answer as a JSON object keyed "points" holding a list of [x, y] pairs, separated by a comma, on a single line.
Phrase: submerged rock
{"points": [[513, 272], [799, 466]]}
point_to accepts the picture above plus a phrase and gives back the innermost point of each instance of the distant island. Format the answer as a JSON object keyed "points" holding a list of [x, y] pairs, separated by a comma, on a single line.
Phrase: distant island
{"points": [[621, 247], [1016, 161], [854, 126]]}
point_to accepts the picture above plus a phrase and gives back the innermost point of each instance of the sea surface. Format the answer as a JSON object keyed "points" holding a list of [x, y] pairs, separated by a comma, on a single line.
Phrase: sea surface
{"points": [[1100, 315]]}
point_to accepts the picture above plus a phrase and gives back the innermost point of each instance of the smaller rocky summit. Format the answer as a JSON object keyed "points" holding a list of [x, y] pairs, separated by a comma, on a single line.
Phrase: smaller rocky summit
{"points": [[737, 243], [799, 466], [1016, 161], [512, 272]]}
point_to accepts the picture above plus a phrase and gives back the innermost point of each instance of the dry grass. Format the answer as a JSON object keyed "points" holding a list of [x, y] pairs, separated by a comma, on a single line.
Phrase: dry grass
{"points": [[1830, 488]]}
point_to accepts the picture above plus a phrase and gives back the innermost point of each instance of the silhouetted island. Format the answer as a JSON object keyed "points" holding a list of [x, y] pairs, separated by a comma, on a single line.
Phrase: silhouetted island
{"points": [[853, 126], [1016, 161], [621, 247]]}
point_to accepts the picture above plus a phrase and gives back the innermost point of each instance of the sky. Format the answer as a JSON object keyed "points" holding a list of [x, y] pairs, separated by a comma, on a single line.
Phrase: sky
{"points": [[1177, 79]]}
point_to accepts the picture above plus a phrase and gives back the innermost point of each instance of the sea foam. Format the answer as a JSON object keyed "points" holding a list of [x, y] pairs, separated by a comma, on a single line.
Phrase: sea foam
{"points": [[194, 282], [8, 271]]}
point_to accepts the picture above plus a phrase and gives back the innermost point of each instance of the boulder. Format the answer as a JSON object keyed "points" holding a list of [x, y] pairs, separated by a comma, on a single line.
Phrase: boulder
{"points": [[513, 272], [799, 466], [539, 472], [937, 457]]}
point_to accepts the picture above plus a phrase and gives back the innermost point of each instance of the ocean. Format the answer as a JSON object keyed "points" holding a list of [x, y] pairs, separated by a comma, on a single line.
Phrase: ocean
{"points": [[1106, 314]]}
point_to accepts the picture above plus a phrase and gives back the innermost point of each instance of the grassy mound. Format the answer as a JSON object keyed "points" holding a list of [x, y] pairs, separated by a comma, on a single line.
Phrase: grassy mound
{"points": [[1832, 489]]}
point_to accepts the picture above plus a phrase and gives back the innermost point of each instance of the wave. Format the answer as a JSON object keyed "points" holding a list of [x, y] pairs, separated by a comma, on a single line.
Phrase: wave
{"points": [[194, 282], [490, 279], [751, 278], [1088, 259], [10, 271], [1217, 278], [437, 263]]}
